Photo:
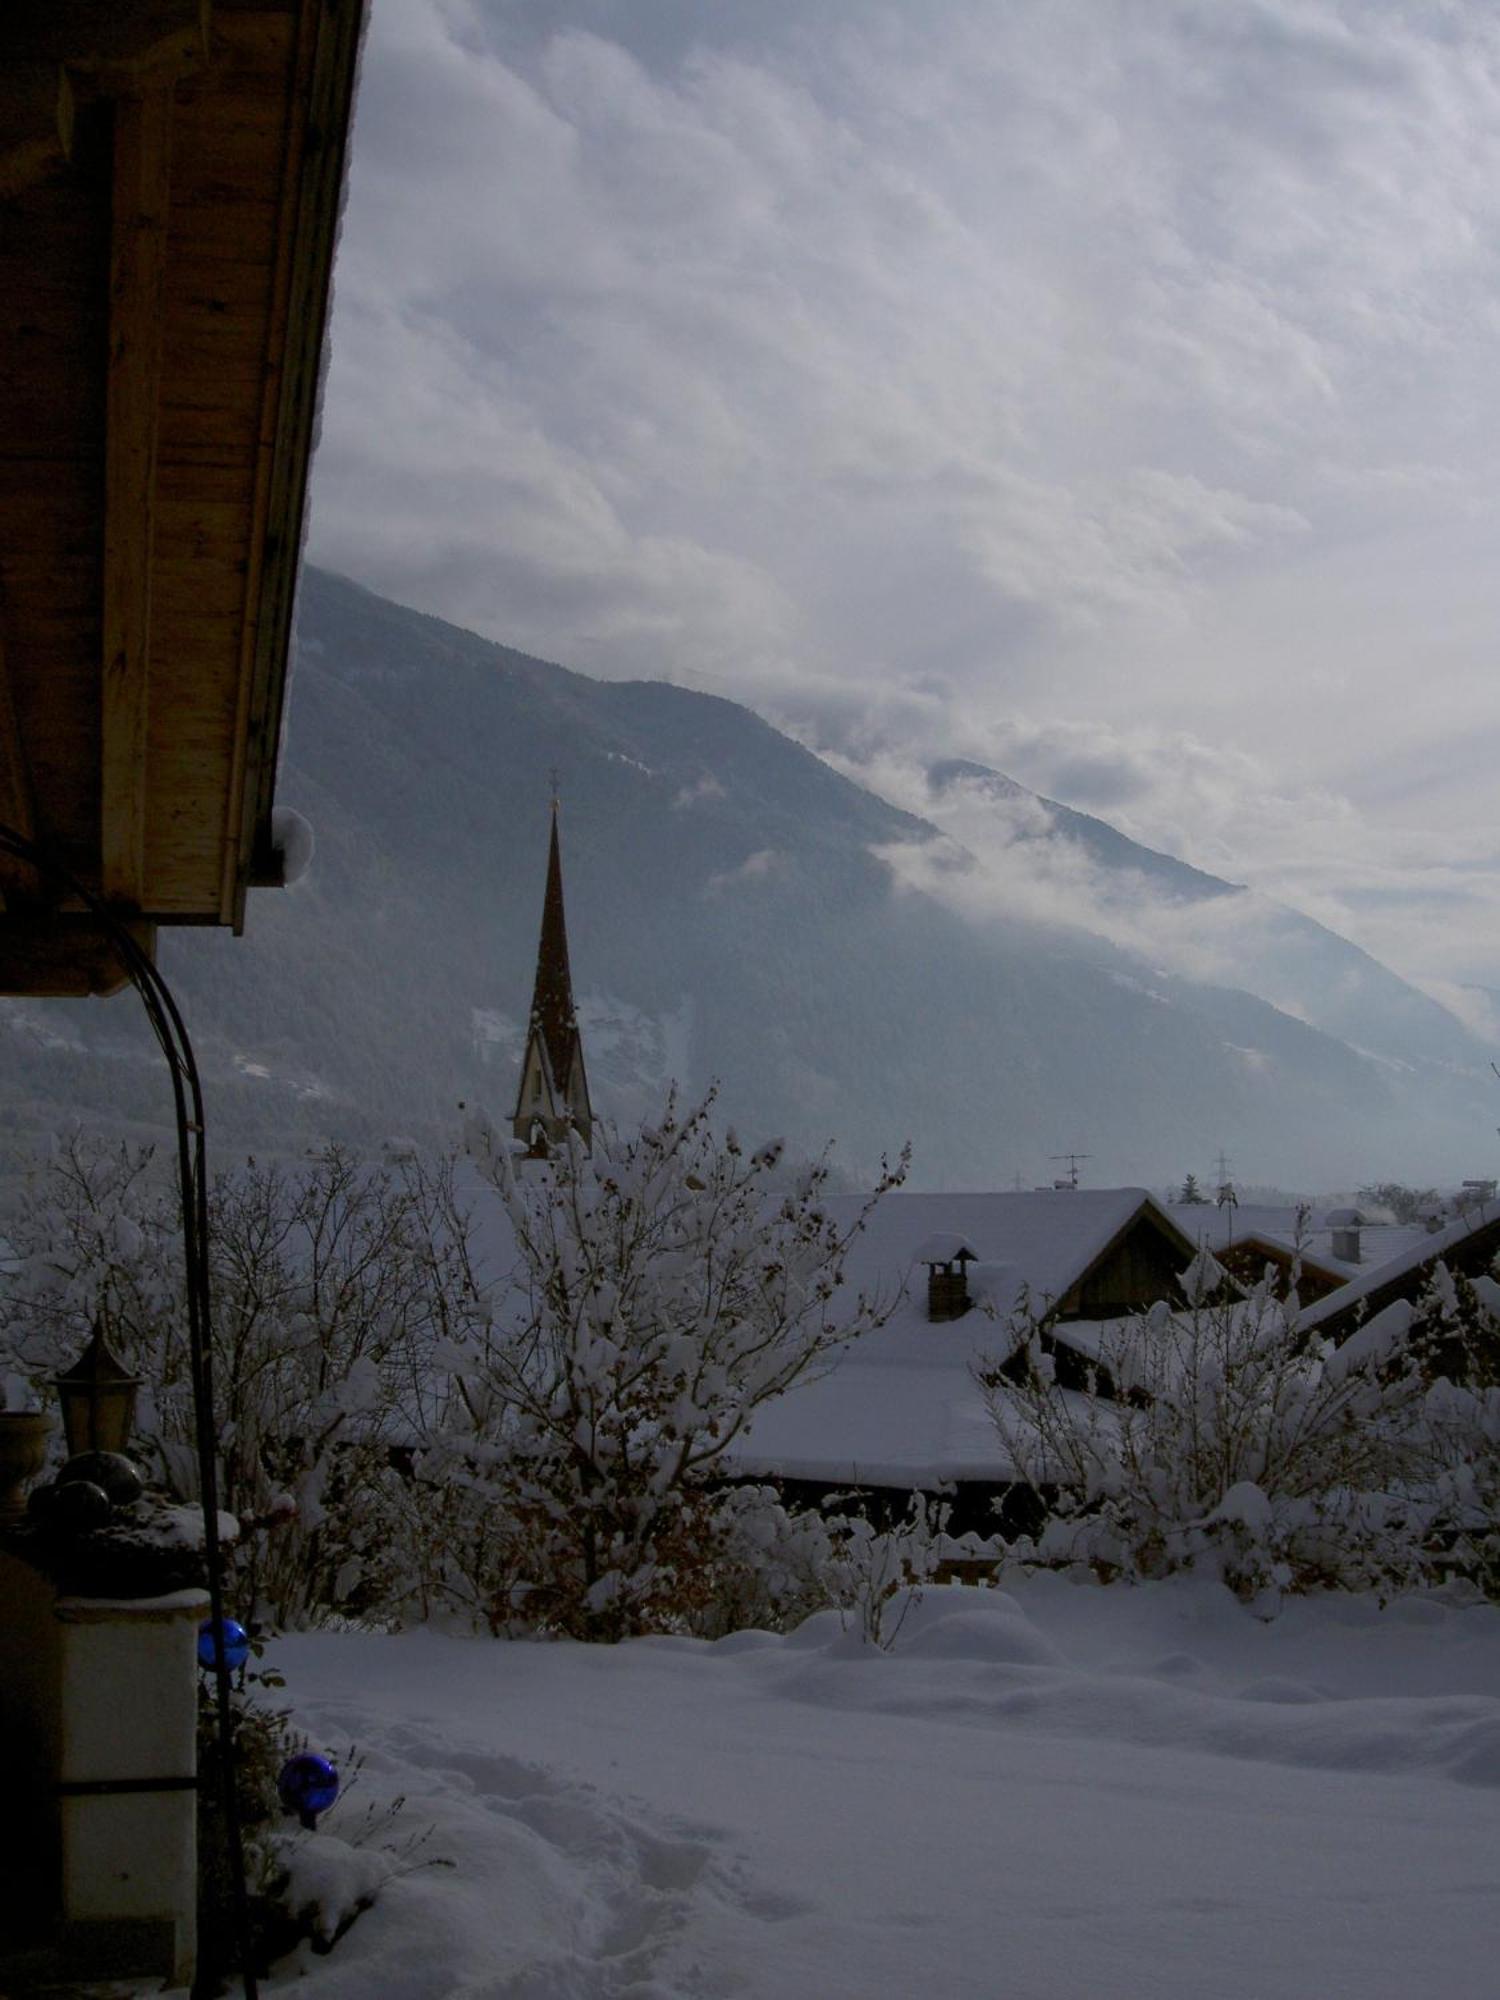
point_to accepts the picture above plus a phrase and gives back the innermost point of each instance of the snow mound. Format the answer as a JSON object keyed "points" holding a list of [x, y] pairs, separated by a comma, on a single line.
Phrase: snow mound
{"points": [[961, 1624], [329, 1881], [1277, 1688], [1179, 1799]]}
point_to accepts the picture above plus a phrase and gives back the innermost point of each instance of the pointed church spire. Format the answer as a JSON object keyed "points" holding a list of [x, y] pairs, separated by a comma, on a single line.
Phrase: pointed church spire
{"points": [[554, 1089]]}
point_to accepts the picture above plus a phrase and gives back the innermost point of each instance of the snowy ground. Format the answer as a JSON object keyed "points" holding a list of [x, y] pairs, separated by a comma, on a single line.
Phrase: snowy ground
{"points": [[1052, 1792]]}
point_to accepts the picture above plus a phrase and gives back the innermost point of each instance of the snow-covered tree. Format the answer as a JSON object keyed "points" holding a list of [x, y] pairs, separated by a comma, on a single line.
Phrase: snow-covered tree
{"points": [[1453, 1339], [1232, 1443], [331, 1284], [1403, 1204], [664, 1289]]}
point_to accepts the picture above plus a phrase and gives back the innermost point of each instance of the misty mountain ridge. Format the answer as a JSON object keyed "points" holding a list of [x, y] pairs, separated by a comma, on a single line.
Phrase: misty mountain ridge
{"points": [[737, 911], [1298, 965]]}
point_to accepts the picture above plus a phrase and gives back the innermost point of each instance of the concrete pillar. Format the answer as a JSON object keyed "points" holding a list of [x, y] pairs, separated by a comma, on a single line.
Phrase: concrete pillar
{"points": [[98, 1711], [127, 1781]]}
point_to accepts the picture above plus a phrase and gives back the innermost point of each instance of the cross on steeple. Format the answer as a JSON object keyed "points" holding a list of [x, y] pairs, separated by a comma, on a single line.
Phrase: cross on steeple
{"points": [[554, 1092]]}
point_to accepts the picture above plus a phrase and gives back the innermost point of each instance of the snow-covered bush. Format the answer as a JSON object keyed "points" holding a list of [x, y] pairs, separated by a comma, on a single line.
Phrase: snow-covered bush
{"points": [[770, 1567], [875, 1574], [401, 1439], [664, 1289], [1454, 1340], [332, 1284], [1228, 1442]]}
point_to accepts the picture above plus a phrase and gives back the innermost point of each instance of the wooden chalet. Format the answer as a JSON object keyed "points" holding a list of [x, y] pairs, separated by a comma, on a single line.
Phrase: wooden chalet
{"points": [[1468, 1246], [1246, 1260], [170, 179], [902, 1411]]}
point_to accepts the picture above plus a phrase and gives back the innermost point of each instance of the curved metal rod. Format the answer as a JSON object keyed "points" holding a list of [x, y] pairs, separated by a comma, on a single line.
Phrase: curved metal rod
{"points": [[187, 1094]]}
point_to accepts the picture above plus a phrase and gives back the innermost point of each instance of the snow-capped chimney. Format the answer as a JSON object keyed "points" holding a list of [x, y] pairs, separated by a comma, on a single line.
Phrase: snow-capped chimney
{"points": [[1345, 1224], [947, 1259]]}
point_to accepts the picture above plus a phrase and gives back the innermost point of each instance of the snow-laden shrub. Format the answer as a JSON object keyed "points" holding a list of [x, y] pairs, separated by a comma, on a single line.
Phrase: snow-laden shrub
{"points": [[332, 1285], [401, 1439], [1454, 1341], [771, 1567], [1228, 1442], [664, 1289]]}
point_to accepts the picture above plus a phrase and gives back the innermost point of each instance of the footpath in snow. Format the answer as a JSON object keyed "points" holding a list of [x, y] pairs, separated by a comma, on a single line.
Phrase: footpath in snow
{"points": [[1038, 1793]]}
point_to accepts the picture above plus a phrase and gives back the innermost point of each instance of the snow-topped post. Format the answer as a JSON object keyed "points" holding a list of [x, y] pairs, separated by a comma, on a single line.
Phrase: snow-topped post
{"points": [[98, 1712]]}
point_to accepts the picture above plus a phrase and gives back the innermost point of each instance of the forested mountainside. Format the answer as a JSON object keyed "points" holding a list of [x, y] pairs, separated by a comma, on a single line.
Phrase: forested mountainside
{"points": [[734, 916]]}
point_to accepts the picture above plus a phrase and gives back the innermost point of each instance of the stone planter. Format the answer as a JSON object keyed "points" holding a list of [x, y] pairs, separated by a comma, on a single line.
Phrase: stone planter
{"points": [[23, 1453]]}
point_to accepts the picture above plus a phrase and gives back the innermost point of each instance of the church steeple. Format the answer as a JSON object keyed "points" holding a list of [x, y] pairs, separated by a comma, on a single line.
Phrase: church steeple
{"points": [[554, 1092]]}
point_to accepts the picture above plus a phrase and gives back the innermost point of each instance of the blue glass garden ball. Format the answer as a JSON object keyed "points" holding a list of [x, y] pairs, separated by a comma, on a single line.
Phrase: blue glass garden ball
{"points": [[236, 1644], [119, 1476], [308, 1785]]}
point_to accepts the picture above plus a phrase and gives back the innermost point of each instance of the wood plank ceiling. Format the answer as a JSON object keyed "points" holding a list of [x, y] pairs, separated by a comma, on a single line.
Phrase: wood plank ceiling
{"points": [[170, 174]]}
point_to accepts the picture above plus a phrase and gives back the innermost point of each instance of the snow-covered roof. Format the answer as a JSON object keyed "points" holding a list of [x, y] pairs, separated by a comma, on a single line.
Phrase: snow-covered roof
{"points": [[1041, 1242], [1218, 1228], [902, 1424], [943, 1249], [1426, 1249], [901, 1406]]}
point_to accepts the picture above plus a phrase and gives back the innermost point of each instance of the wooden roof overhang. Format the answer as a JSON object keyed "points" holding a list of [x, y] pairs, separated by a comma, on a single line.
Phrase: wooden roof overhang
{"points": [[1472, 1256], [1247, 1257], [170, 180], [1149, 1217]]}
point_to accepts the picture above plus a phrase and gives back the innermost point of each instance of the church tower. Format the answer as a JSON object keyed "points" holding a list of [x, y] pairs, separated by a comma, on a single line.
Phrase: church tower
{"points": [[554, 1093]]}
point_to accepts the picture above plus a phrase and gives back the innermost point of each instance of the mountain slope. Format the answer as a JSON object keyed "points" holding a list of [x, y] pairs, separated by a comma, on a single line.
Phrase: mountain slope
{"points": [[1299, 965], [730, 916]]}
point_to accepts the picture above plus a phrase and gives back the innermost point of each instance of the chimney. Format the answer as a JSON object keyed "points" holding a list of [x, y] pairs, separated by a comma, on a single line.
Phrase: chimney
{"points": [[947, 1259], [1344, 1225]]}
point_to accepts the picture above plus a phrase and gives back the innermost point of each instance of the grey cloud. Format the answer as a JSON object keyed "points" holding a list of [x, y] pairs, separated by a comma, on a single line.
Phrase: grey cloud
{"points": [[971, 374]]}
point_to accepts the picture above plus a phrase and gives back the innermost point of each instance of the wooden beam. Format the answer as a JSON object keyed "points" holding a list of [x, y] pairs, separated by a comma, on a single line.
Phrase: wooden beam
{"points": [[142, 173], [36, 123], [18, 882], [112, 45], [323, 90], [58, 955]]}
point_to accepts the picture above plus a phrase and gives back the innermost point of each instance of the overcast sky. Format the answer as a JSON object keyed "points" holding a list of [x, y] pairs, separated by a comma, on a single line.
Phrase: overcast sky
{"points": [[1106, 390]]}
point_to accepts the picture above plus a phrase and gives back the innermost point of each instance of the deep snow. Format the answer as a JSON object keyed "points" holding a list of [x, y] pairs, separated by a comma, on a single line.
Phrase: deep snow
{"points": [[1049, 1791]]}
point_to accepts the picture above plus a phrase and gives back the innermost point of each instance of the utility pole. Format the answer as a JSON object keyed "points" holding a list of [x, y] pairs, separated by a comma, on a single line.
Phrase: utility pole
{"points": [[1226, 1196]]}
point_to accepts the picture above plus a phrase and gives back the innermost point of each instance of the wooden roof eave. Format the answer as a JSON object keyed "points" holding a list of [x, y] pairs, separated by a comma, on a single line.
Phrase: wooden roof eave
{"points": [[129, 66], [328, 56], [1157, 1217]]}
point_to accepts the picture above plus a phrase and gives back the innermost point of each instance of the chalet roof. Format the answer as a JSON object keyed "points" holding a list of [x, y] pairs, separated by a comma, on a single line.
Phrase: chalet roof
{"points": [[1469, 1243], [170, 178], [1046, 1239], [943, 1249], [901, 1407], [1277, 1226]]}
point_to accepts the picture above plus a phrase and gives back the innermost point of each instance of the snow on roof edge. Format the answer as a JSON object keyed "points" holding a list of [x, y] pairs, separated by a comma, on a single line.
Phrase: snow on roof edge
{"points": [[1412, 1259]]}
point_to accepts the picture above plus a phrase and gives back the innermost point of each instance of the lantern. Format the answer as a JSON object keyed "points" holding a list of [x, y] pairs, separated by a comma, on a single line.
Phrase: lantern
{"points": [[98, 1399]]}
